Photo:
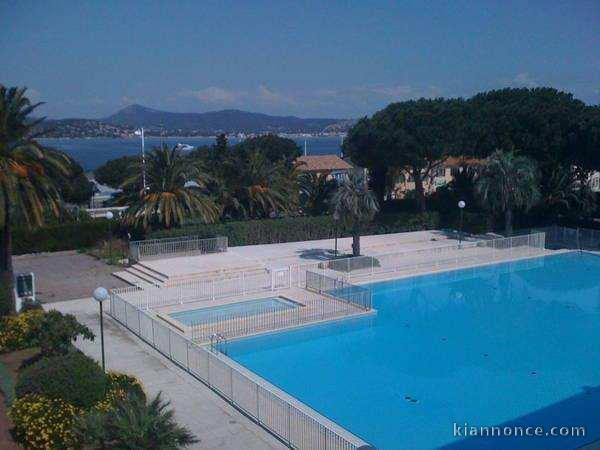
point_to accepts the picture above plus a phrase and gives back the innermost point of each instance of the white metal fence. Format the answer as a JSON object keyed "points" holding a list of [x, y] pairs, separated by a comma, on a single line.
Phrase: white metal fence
{"points": [[186, 245], [270, 318], [358, 296], [422, 260], [186, 291], [294, 423]]}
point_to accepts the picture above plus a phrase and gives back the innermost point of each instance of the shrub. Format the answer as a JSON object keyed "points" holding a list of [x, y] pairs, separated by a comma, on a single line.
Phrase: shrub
{"points": [[58, 331], [133, 424], [290, 229], [126, 383], [21, 331], [66, 236], [43, 423], [74, 378]]}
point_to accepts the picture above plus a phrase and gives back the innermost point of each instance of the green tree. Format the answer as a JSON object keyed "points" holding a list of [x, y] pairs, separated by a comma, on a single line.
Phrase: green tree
{"points": [[57, 333], [175, 189], [252, 186], [115, 172], [508, 182], [75, 188], [542, 123], [315, 192], [26, 184], [355, 205], [415, 136], [133, 424], [273, 147]]}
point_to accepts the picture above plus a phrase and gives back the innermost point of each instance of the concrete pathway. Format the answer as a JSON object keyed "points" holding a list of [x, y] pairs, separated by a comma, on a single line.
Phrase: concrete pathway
{"points": [[208, 416]]}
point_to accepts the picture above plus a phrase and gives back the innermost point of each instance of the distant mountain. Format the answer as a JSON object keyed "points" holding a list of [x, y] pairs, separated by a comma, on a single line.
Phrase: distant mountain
{"points": [[155, 122], [227, 121]]}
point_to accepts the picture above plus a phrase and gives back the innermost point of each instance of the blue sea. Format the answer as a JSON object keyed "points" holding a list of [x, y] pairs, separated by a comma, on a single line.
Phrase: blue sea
{"points": [[510, 345], [93, 152]]}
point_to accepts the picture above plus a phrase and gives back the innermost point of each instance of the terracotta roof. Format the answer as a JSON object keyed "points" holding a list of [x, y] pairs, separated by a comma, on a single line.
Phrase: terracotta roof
{"points": [[322, 163], [460, 161]]}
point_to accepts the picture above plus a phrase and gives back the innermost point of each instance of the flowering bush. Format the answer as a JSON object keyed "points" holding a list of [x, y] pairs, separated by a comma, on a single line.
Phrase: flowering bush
{"points": [[47, 423], [43, 423], [124, 382], [19, 332]]}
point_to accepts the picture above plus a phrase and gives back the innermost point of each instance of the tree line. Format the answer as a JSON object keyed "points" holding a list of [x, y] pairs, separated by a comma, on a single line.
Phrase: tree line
{"points": [[559, 133]]}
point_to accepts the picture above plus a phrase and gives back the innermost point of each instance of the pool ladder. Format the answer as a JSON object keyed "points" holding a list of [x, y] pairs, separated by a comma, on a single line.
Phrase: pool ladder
{"points": [[216, 340]]}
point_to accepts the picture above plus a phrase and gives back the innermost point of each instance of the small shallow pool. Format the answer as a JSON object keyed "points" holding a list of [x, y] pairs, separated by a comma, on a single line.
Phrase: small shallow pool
{"points": [[233, 310]]}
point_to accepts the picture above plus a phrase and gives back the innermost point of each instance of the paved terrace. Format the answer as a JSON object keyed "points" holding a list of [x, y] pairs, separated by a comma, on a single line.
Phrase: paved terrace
{"points": [[251, 257]]}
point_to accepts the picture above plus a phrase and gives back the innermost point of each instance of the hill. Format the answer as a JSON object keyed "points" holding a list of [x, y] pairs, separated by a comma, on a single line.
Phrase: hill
{"points": [[227, 121]]}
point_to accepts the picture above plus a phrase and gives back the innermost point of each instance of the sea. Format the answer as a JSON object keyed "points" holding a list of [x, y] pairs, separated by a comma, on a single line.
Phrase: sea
{"points": [[93, 152]]}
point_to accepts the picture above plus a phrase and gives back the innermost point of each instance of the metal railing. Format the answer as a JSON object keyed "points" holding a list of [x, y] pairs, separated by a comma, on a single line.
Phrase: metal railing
{"points": [[270, 318], [426, 259], [342, 290], [294, 423], [558, 237], [181, 246], [186, 291]]}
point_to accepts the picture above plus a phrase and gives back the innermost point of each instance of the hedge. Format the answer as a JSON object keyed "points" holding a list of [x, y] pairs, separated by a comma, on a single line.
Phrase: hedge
{"points": [[291, 229], [68, 236]]}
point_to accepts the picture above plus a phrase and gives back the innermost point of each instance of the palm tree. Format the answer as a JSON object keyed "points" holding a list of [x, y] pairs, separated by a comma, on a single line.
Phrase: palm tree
{"points": [[315, 192], [174, 190], [28, 190], [133, 424], [251, 186], [508, 182], [355, 205]]}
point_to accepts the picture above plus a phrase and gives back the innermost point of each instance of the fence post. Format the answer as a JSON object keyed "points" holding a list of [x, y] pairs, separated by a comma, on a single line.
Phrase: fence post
{"points": [[243, 283], [213, 289]]}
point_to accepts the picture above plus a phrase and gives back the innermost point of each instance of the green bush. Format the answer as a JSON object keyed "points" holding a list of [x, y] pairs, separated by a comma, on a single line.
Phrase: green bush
{"points": [[74, 378], [58, 331], [290, 229], [67, 236]]}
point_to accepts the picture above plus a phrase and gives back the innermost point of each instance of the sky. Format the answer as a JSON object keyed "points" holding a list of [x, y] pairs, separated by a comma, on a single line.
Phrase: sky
{"points": [[342, 59]]}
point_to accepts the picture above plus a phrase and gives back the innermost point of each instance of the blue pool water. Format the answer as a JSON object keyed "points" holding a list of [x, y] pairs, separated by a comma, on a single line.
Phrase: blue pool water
{"points": [[231, 311], [508, 344]]}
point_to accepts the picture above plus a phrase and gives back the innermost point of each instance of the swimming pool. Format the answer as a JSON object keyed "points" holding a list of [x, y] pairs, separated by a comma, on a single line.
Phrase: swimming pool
{"points": [[507, 344], [233, 310]]}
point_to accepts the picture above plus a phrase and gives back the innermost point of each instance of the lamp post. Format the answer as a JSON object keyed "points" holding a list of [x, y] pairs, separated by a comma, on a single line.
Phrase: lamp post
{"points": [[336, 218], [461, 206], [109, 216], [101, 294]]}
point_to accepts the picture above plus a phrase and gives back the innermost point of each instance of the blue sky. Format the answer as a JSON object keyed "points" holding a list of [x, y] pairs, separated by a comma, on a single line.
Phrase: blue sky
{"points": [[317, 59]]}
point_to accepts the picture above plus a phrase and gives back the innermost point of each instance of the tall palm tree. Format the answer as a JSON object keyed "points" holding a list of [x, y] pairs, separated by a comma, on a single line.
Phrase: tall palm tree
{"points": [[174, 190], [28, 190], [315, 192], [355, 205], [133, 424], [508, 182]]}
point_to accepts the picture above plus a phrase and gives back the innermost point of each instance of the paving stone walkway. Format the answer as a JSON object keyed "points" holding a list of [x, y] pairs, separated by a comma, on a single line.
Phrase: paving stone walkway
{"points": [[208, 416]]}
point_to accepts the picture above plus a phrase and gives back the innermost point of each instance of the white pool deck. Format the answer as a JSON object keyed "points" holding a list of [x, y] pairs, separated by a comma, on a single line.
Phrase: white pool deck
{"points": [[250, 257]]}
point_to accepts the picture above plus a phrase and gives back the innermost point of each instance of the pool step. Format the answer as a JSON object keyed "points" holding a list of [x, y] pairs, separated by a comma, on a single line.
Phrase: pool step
{"points": [[132, 279]]}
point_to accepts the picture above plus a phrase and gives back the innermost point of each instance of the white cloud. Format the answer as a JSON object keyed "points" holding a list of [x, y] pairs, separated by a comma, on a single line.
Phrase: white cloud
{"points": [[523, 79], [213, 95], [272, 97]]}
